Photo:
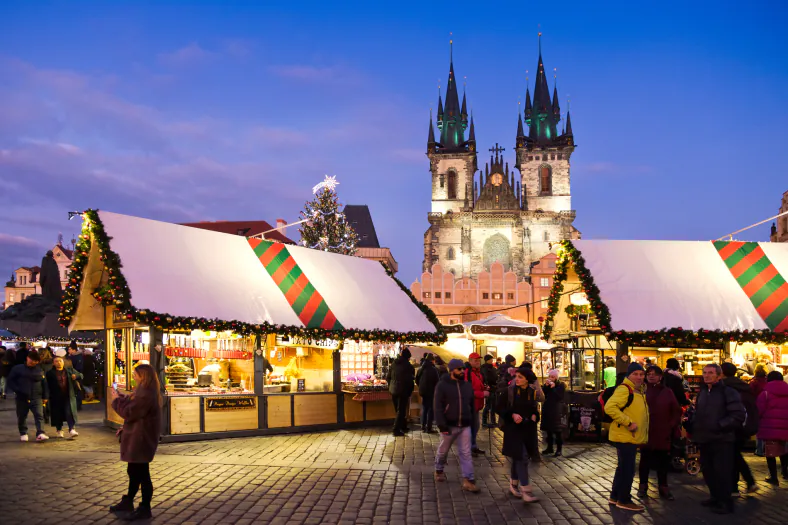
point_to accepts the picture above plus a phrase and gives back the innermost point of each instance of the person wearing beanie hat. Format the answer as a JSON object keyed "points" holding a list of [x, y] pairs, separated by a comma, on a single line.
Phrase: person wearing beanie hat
{"points": [[401, 384], [628, 409], [673, 381], [519, 411], [454, 406], [473, 375]]}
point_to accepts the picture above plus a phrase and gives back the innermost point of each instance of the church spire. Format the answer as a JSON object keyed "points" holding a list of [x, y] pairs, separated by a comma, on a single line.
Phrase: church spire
{"points": [[542, 119], [431, 136], [568, 131], [472, 132], [453, 124]]}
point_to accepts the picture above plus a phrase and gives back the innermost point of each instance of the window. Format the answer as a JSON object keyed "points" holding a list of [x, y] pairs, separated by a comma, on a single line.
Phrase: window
{"points": [[510, 296], [426, 295], [24, 280], [546, 236], [545, 180], [485, 295], [452, 321], [544, 282], [544, 301], [551, 263], [443, 180], [11, 297], [497, 296], [452, 191], [23, 297], [450, 254], [437, 295], [447, 295], [552, 157], [560, 156], [544, 157]]}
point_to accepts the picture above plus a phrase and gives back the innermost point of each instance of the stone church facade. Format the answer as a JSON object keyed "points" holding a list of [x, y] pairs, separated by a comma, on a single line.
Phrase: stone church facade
{"points": [[497, 214]]}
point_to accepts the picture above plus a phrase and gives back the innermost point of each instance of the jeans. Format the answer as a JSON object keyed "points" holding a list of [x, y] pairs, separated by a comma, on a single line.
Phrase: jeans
{"points": [[474, 428], [520, 468], [716, 461], [488, 413], [23, 406], [759, 447], [69, 418], [139, 476], [625, 472], [401, 405], [427, 411], [2, 386], [554, 437], [740, 466], [462, 435], [654, 459]]}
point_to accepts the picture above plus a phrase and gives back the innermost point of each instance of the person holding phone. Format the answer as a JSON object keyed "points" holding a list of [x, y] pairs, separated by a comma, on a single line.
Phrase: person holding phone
{"points": [[139, 438]]}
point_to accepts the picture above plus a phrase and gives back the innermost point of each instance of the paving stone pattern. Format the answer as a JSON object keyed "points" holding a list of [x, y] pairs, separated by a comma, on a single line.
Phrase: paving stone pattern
{"points": [[348, 477]]}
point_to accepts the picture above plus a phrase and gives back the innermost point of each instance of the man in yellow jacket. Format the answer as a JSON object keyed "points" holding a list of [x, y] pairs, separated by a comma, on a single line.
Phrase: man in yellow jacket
{"points": [[628, 409]]}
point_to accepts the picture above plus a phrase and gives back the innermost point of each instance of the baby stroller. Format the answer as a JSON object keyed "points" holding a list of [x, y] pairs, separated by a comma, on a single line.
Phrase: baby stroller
{"points": [[684, 453]]}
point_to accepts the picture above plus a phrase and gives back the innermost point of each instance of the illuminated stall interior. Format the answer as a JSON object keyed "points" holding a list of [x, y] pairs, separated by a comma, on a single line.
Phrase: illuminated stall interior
{"points": [[259, 337]]}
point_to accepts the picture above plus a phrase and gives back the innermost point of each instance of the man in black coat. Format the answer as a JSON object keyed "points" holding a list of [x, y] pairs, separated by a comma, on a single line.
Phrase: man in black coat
{"points": [[490, 375], [427, 379], [400, 380], [672, 379], [744, 432], [719, 415]]}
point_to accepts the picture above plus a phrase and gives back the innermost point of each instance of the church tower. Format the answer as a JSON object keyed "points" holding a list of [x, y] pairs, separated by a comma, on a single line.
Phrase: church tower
{"points": [[543, 159], [452, 169]]}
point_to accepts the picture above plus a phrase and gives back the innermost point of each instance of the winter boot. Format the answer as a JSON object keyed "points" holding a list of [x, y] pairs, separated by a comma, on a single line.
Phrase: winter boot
{"points": [[643, 490], [558, 452], [140, 513], [126, 505], [469, 486]]}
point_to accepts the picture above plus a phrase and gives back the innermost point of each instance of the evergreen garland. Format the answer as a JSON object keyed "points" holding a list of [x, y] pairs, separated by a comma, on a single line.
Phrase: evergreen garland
{"points": [[116, 293], [666, 337]]}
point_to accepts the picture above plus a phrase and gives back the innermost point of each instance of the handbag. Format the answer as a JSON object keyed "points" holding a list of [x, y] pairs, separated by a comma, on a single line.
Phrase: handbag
{"points": [[773, 448]]}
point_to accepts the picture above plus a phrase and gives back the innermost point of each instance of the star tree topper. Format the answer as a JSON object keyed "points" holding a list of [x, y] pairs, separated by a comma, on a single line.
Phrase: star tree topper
{"points": [[329, 183]]}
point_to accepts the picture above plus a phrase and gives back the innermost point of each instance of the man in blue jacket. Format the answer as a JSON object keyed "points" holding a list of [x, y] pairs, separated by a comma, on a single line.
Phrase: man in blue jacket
{"points": [[454, 408], [29, 384]]}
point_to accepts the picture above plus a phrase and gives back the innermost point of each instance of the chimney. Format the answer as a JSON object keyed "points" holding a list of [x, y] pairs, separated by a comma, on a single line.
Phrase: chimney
{"points": [[281, 225]]}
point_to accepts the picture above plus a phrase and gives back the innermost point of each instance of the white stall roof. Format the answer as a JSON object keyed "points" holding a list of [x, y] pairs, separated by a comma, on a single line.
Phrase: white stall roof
{"points": [[185, 271], [651, 285], [502, 327]]}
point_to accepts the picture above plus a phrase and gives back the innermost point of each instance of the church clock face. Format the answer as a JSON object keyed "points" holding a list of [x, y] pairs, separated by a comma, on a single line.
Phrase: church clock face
{"points": [[496, 179]]}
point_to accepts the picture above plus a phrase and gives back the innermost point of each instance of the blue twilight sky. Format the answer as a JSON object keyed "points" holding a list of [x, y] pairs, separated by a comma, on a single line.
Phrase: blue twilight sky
{"points": [[186, 111]]}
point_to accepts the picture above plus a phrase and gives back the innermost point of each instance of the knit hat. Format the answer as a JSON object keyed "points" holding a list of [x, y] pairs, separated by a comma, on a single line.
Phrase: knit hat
{"points": [[488, 357], [509, 359], [455, 363], [634, 367]]}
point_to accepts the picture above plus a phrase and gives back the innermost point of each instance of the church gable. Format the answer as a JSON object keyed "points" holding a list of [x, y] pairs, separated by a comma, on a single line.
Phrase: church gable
{"points": [[497, 187]]}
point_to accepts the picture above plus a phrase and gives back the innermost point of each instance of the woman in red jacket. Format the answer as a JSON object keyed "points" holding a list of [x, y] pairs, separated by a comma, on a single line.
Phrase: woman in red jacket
{"points": [[662, 408], [773, 427]]}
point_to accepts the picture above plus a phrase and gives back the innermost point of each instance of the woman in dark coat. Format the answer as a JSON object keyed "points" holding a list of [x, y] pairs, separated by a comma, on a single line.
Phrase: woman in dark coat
{"points": [[89, 374], [665, 414], [63, 397], [139, 438], [554, 391], [519, 412]]}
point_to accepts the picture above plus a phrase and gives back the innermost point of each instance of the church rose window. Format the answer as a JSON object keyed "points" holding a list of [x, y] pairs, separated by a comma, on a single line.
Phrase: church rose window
{"points": [[545, 180], [496, 249], [452, 184]]}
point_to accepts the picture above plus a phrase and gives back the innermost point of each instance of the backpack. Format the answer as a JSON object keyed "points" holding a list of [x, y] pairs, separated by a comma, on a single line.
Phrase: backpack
{"points": [[607, 393]]}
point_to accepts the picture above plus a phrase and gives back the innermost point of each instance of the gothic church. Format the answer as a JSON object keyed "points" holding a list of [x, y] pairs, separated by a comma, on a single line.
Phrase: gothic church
{"points": [[499, 216]]}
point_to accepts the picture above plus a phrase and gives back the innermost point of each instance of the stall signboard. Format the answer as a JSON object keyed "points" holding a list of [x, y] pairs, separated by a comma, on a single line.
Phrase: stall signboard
{"points": [[118, 319], [585, 422], [301, 385], [329, 344], [217, 404]]}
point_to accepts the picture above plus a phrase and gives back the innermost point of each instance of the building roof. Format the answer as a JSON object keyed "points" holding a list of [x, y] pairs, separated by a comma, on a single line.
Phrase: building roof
{"points": [[244, 228], [68, 253], [193, 273], [727, 286], [360, 219]]}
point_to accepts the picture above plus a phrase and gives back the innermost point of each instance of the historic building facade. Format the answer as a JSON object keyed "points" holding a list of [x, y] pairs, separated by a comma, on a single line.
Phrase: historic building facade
{"points": [[503, 215], [780, 228]]}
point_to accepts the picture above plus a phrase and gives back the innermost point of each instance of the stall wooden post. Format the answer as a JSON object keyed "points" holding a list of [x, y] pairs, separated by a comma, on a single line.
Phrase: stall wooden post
{"points": [[338, 384], [622, 358]]}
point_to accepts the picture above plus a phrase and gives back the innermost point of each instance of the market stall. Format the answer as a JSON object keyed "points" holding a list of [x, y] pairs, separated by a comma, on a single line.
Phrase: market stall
{"points": [[248, 336], [698, 302]]}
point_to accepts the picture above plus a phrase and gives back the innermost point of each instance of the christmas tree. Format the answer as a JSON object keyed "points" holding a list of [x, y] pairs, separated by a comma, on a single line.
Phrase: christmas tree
{"points": [[327, 228]]}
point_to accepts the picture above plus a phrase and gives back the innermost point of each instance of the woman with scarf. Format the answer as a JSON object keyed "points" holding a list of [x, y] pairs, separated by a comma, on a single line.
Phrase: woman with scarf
{"points": [[519, 412]]}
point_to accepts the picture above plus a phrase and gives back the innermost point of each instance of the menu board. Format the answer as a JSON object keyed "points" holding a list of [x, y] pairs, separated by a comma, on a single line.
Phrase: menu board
{"points": [[223, 403]]}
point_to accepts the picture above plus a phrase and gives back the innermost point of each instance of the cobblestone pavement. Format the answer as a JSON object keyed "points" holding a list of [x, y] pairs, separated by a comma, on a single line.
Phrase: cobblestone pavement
{"points": [[349, 477]]}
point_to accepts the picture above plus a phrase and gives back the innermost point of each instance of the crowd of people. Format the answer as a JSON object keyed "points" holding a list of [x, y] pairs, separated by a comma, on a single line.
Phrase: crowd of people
{"points": [[648, 408], [51, 386]]}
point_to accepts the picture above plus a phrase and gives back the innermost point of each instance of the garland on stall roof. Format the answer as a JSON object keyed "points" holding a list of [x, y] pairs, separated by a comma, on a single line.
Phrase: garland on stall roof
{"points": [[116, 293], [569, 255], [666, 337]]}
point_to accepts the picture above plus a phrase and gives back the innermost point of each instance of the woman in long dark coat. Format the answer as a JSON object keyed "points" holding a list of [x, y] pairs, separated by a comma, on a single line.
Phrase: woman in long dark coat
{"points": [[139, 438], [63, 397], [554, 391], [519, 412]]}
